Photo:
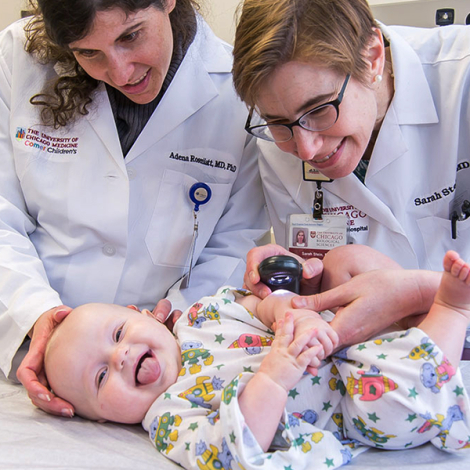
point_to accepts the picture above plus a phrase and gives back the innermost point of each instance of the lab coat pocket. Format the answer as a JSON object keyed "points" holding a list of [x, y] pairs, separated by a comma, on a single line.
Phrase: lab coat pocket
{"points": [[437, 236], [171, 228]]}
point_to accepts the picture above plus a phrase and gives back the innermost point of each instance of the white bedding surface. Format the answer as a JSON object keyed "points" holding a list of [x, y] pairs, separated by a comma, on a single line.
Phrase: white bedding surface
{"points": [[31, 439]]}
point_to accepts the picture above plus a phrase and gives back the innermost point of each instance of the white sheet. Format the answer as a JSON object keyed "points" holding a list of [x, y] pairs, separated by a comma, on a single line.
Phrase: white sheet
{"points": [[30, 439]]}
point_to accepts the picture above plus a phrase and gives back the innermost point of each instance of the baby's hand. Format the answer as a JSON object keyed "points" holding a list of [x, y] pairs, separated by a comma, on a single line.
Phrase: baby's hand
{"points": [[290, 354], [321, 333]]}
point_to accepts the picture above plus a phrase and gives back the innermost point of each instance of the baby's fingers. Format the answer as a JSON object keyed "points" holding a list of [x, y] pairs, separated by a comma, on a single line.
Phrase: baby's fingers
{"points": [[309, 358], [329, 340], [303, 341], [285, 331], [333, 337], [312, 370]]}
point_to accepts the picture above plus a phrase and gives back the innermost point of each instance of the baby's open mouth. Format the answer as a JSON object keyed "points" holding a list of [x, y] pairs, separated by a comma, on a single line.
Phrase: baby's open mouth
{"points": [[147, 369]]}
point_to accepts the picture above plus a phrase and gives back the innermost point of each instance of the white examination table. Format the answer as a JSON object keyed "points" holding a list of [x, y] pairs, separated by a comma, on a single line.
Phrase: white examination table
{"points": [[30, 439]]}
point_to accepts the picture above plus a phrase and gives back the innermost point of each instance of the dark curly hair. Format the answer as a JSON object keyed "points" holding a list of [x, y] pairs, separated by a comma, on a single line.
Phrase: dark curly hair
{"points": [[57, 23]]}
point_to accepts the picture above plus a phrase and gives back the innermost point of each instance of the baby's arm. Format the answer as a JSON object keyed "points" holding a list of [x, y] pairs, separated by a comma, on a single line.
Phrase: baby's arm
{"points": [[274, 308], [263, 400]]}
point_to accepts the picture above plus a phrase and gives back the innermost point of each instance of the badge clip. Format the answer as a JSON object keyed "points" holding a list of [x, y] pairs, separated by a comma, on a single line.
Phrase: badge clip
{"points": [[199, 193], [318, 203]]}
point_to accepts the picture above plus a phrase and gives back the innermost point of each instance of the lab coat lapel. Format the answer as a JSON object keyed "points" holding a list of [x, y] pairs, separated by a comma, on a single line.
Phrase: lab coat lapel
{"points": [[101, 119], [191, 88], [350, 189]]}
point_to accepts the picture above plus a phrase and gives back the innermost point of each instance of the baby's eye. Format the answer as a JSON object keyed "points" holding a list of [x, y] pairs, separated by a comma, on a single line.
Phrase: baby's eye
{"points": [[117, 335], [101, 376]]}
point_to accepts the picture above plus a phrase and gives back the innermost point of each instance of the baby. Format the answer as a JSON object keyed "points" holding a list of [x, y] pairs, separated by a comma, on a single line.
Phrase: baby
{"points": [[227, 389]]}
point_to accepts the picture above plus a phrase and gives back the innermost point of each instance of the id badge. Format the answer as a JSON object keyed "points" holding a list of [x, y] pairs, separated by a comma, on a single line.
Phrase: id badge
{"points": [[313, 238]]}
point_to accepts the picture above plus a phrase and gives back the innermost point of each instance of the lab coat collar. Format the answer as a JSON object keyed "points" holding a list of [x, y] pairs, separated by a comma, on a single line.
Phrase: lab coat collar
{"points": [[412, 102]]}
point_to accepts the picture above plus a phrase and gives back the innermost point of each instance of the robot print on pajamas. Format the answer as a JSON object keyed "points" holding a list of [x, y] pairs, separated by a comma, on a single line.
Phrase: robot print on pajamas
{"points": [[198, 314], [203, 392], [252, 344], [424, 351], [213, 459], [443, 423], [434, 375], [372, 434], [161, 430], [192, 352]]}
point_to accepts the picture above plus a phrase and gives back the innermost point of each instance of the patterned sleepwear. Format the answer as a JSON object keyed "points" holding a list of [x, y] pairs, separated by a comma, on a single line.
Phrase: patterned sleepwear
{"points": [[394, 392]]}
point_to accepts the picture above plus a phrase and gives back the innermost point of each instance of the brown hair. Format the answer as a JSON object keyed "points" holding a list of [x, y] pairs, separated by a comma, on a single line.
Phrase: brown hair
{"points": [[57, 23], [270, 33]]}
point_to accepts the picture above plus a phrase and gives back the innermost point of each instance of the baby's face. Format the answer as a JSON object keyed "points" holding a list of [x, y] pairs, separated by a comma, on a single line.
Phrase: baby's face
{"points": [[111, 362]]}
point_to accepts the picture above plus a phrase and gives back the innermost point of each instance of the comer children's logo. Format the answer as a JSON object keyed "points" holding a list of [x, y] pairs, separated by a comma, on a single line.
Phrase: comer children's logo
{"points": [[20, 133], [43, 142]]}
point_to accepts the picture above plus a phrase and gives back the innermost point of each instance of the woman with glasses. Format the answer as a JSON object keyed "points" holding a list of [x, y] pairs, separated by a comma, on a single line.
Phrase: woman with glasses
{"points": [[382, 111], [114, 115]]}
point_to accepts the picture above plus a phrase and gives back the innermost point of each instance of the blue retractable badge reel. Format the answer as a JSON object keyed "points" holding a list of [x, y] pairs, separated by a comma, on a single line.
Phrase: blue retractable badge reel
{"points": [[200, 194], [281, 272]]}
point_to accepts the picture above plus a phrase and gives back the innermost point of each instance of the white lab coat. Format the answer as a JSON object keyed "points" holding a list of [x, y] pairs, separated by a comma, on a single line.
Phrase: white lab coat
{"points": [[404, 208], [88, 225]]}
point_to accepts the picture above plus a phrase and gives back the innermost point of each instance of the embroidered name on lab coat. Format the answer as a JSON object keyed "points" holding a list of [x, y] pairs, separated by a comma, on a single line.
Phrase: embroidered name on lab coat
{"points": [[444, 192], [204, 161]]}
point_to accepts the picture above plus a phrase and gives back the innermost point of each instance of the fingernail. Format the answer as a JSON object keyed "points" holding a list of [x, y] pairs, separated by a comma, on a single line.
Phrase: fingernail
{"points": [[299, 302], [67, 413], [252, 276], [307, 269], [43, 397], [61, 310]]}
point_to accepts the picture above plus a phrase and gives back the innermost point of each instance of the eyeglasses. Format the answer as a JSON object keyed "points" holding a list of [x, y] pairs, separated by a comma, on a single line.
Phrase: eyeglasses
{"points": [[317, 119]]}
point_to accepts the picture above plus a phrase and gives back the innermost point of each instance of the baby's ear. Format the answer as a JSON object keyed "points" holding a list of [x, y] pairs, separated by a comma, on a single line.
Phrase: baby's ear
{"points": [[148, 313], [133, 307]]}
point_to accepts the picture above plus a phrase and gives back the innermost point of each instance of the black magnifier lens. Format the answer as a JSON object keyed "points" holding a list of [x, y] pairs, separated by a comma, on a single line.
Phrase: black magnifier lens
{"points": [[281, 272], [280, 279]]}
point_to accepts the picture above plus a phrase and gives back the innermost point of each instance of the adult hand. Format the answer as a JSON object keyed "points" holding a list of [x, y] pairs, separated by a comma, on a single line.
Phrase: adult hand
{"points": [[372, 301], [311, 270], [31, 372], [162, 313]]}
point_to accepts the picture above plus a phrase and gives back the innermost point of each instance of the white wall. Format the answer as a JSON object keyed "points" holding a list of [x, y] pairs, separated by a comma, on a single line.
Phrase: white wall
{"points": [[10, 11], [418, 13], [220, 13]]}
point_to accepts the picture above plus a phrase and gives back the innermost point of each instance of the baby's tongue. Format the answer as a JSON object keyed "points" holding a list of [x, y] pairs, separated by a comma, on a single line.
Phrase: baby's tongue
{"points": [[149, 371]]}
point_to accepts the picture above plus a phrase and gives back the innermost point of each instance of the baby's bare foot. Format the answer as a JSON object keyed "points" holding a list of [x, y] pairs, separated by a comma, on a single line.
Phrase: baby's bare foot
{"points": [[454, 290]]}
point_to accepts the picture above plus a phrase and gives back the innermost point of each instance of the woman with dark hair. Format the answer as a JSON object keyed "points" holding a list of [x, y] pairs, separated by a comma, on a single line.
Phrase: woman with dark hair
{"points": [[124, 166]]}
